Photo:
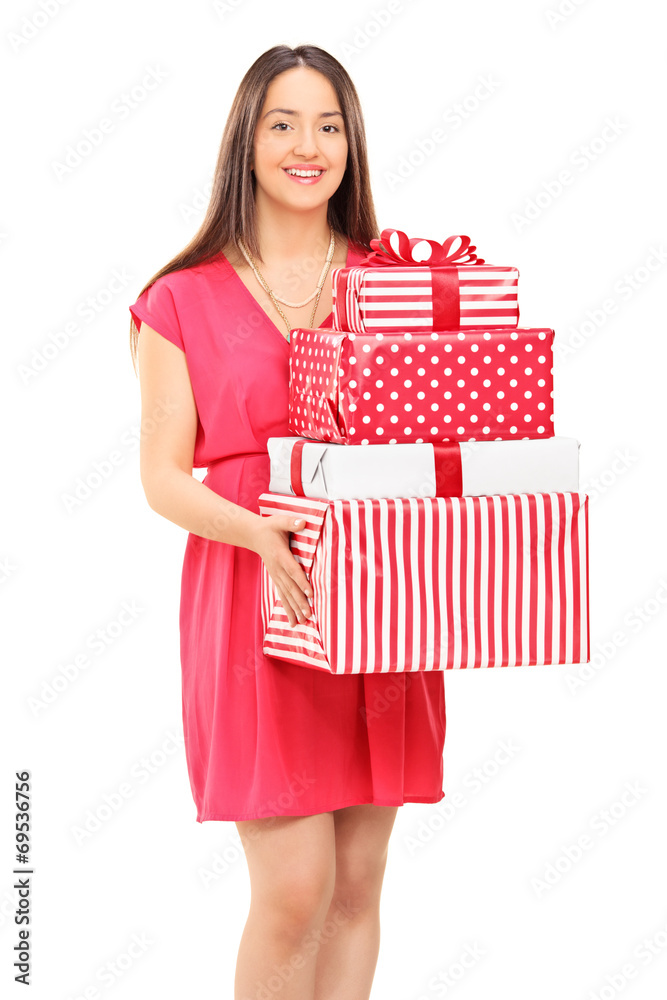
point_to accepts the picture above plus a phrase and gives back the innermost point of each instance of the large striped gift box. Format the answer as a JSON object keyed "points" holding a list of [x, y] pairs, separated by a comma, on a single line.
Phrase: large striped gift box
{"points": [[447, 385], [435, 583], [379, 299]]}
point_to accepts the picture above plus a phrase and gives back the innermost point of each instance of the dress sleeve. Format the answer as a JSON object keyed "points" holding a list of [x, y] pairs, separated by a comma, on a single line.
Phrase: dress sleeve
{"points": [[157, 308]]}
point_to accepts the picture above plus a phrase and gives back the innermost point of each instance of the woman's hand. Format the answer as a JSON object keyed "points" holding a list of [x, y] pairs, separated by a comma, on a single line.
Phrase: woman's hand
{"points": [[272, 545]]}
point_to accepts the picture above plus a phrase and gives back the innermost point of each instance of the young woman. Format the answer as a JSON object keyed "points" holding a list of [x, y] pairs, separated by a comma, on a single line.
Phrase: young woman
{"points": [[312, 767]]}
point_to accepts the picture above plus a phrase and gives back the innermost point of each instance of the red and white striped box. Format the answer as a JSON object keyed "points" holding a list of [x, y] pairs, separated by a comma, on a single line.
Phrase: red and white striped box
{"points": [[420, 299], [447, 385], [433, 583]]}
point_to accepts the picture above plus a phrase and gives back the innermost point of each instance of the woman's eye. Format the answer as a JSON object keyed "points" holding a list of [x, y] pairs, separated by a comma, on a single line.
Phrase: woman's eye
{"points": [[282, 126]]}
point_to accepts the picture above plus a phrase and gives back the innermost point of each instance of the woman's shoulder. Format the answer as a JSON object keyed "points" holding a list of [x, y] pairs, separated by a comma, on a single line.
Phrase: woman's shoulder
{"points": [[190, 287], [215, 268]]}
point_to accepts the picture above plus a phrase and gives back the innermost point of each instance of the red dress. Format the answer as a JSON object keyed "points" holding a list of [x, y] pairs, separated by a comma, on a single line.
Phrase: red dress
{"points": [[264, 737]]}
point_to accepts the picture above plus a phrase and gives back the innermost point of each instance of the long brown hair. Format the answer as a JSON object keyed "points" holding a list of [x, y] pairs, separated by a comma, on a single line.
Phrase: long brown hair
{"points": [[231, 210]]}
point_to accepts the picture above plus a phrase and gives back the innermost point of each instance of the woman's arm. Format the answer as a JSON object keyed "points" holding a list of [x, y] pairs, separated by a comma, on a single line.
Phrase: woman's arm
{"points": [[168, 431]]}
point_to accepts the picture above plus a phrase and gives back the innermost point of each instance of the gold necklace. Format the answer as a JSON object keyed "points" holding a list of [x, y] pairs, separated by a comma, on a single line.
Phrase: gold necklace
{"points": [[320, 280], [318, 291]]}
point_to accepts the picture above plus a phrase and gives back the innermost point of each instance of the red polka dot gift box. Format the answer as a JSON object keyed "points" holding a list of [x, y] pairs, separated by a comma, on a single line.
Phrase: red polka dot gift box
{"points": [[444, 385], [395, 289]]}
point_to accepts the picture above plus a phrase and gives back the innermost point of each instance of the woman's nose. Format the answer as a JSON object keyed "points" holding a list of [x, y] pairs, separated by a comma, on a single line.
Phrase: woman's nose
{"points": [[305, 143]]}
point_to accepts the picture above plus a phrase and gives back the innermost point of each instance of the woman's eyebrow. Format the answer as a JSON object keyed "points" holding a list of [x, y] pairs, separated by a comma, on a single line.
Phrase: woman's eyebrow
{"points": [[287, 111]]}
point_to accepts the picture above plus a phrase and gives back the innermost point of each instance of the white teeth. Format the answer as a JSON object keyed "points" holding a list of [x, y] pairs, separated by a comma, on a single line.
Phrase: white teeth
{"points": [[303, 173]]}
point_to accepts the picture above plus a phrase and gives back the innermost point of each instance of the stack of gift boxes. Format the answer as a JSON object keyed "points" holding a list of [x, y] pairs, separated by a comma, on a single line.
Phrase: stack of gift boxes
{"points": [[444, 523]]}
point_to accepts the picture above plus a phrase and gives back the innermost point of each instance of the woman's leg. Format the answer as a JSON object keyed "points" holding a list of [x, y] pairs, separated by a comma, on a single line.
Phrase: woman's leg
{"points": [[291, 860], [351, 931]]}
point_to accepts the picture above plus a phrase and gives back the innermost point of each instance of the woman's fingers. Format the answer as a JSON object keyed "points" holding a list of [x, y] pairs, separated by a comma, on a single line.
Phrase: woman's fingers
{"points": [[290, 580], [292, 614], [294, 592], [292, 605]]}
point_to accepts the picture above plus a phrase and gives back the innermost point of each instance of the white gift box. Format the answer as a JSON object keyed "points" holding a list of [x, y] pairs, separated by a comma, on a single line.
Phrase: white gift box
{"points": [[319, 469]]}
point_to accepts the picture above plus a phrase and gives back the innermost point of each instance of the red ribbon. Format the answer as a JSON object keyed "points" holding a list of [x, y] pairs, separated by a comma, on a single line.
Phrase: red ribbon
{"points": [[444, 298], [295, 469], [445, 254], [448, 471]]}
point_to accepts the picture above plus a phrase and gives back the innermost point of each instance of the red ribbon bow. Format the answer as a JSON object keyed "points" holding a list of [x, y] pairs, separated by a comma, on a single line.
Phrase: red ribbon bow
{"points": [[442, 254]]}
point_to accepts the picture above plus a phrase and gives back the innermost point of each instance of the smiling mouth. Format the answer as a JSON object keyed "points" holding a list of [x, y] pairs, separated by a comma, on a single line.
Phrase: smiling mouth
{"points": [[296, 172]]}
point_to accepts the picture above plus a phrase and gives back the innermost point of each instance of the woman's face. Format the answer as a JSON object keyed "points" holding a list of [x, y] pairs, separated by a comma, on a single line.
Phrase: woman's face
{"points": [[300, 128]]}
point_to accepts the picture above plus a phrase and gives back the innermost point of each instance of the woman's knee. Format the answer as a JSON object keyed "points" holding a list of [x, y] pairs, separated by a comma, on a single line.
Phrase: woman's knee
{"points": [[292, 873], [358, 883], [295, 901], [362, 847]]}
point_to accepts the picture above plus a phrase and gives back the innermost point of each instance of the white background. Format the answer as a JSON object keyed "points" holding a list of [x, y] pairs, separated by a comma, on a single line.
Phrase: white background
{"points": [[128, 207]]}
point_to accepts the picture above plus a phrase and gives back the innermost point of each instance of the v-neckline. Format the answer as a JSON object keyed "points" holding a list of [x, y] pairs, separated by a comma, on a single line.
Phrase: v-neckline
{"points": [[264, 312]]}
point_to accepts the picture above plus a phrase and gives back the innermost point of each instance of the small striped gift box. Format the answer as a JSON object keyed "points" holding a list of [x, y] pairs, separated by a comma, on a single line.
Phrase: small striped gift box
{"points": [[434, 583], [420, 299]]}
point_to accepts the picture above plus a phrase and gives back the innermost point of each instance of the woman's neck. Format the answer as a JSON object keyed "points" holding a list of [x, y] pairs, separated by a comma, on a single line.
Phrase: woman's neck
{"points": [[284, 235]]}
